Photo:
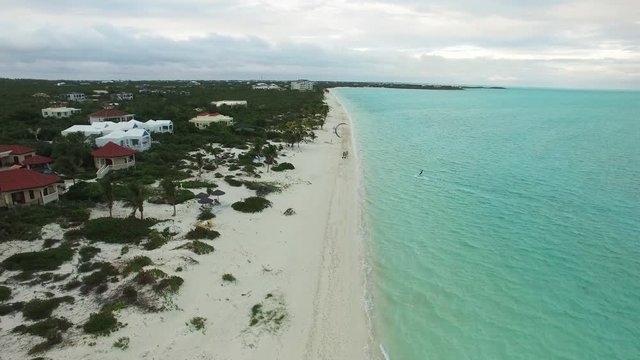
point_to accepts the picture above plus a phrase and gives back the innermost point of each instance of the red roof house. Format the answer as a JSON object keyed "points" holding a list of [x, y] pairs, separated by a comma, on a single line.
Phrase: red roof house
{"points": [[112, 157], [14, 154], [26, 187], [114, 115]]}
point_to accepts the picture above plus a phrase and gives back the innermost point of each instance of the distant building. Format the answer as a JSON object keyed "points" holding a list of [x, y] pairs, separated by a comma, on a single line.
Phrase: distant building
{"points": [[59, 112], [114, 115], [100, 92], [263, 86], [302, 85], [203, 120], [26, 187], [40, 95], [106, 127], [76, 96], [124, 96], [229, 103], [159, 126]]}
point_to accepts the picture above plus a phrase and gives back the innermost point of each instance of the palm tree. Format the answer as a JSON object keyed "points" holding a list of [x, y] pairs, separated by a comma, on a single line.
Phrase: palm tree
{"points": [[270, 153], [170, 193], [199, 163], [137, 196], [107, 192]]}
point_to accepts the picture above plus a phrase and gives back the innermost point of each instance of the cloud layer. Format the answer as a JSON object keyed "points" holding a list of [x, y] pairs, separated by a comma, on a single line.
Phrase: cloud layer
{"points": [[576, 43]]}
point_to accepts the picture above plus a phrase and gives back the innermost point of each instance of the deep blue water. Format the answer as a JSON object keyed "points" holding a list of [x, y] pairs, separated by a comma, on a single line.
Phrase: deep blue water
{"points": [[521, 239]]}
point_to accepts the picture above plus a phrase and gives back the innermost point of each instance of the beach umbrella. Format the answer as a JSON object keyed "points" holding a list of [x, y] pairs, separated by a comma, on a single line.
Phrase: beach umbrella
{"points": [[205, 201], [217, 193], [202, 195]]}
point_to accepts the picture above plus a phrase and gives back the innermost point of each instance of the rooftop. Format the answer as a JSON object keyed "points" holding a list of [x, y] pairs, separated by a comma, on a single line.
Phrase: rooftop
{"points": [[112, 150], [37, 160], [16, 149], [21, 179]]}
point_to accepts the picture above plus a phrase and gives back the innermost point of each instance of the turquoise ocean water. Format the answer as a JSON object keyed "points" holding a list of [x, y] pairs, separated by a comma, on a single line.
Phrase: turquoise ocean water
{"points": [[521, 239]]}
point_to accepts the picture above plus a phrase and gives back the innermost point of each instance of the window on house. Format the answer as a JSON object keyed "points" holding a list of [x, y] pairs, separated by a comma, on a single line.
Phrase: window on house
{"points": [[135, 141], [32, 195]]}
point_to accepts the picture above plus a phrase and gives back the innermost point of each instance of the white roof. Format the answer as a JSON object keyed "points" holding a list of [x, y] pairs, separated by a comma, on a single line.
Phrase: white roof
{"points": [[85, 129], [61, 108], [158, 122], [132, 133]]}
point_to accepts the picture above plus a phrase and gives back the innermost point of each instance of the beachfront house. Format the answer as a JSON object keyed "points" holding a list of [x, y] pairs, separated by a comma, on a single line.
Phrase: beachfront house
{"points": [[112, 157], [137, 139], [229, 103], [14, 155], [26, 187], [302, 85], [203, 120], [75, 96], [113, 115], [159, 126], [59, 112]]}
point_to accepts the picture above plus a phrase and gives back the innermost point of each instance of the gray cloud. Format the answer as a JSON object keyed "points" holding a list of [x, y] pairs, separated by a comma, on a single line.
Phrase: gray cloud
{"points": [[577, 43]]}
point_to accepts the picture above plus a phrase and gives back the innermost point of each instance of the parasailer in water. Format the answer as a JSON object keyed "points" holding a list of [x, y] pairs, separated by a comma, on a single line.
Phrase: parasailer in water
{"points": [[335, 129]]}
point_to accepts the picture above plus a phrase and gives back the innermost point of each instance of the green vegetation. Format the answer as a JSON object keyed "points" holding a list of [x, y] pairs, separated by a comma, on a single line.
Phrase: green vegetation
{"points": [[251, 205], [283, 166], [116, 230], [136, 264], [200, 232], [5, 293], [228, 278], [37, 309], [206, 214], [98, 280], [101, 323], [270, 314], [136, 197], [169, 285], [122, 343], [51, 329], [198, 247], [25, 223], [197, 184], [231, 181], [49, 259], [149, 277], [88, 252], [157, 239], [197, 323], [11, 307], [262, 188]]}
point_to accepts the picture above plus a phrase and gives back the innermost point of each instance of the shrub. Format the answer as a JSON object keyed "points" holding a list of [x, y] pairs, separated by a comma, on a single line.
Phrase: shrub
{"points": [[73, 234], [49, 243], [11, 307], [129, 294], [37, 309], [118, 231], [233, 182], [197, 323], [202, 233], [171, 284], [283, 166], [206, 214], [198, 247], [233, 168], [44, 328], [197, 184], [88, 252], [156, 240], [148, 277], [122, 343], [136, 264], [218, 175], [84, 191], [72, 284], [5, 293], [228, 277], [49, 259], [261, 188], [251, 205], [102, 323]]}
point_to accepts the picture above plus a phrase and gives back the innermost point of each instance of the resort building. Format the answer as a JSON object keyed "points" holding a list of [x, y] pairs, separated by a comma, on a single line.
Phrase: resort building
{"points": [[159, 126], [137, 139], [40, 95], [302, 85], [59, 112], [114, 115], [38, 163], [229, 103], [75, 96], [263, 86], [26, 187], [112, 157], [203, 120], [14, 155]]}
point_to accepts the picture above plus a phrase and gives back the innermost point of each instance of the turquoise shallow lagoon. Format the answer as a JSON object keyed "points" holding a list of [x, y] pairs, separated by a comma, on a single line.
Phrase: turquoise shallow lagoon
{"points": [[521, 238]]}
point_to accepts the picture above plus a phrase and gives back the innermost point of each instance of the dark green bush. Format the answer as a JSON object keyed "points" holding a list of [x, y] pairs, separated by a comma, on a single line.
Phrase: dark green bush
{"points": [[49, 243], [44, 328], [11, 307], [88, 252], [75, 283], [129, 294], [49, 259], [136, 264], [206, 214], [228, 277], [251, 205], [283, 166], [171, 284], [197, 184], [148, 277], [233, 182], [198, 247], [37, 309], [5, 293], [116, 230], [102, 323], [73, 234], [202, 233], [84, 191], [261, 188]]}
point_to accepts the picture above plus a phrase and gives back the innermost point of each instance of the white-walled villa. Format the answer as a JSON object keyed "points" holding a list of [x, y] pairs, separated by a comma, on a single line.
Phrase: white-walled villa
{"points": [[203, 120], [59, 112]]}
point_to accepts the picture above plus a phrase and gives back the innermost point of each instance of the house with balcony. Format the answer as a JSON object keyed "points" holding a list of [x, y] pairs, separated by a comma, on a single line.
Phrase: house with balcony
{"points": [[38, 163], [112, 157], [22, 187], [158, 126], [113, 115], [123, 96], [75, 96], [302, 85], [203, 120], [59, 112], [14, 155], [137, 139]]}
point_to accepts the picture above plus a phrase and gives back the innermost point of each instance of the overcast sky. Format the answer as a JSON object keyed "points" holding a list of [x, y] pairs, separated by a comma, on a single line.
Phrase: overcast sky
{"points": [[573, 43]]}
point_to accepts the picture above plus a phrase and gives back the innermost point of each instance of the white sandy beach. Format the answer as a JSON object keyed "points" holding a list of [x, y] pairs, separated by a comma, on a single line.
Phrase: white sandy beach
{"points": [[309, 264]]}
